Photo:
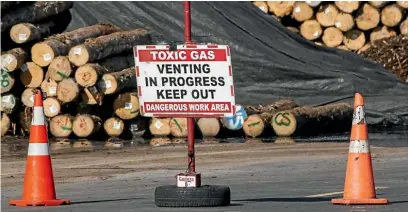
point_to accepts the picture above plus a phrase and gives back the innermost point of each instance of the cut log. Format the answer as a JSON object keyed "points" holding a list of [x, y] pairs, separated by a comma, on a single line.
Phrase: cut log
{"points": [[280, 8], [27, 97], [344, 22], [178, 127], [114, 82], [92, 96], [84, 125], [13, 59], [378, 4], [52, 107], [302, 12], [8, 103], [58, 45], [67, 90], [254, 126], [113, 126], [392, 15], [32, 32], [332, 37], [313, 120], [347, 6], [326, 15], [59, 68], [311, 30], [126, 105], [381, 32], [364, 48], [404, 27], [160, 126], [313, 3], [403, 4], [89, 74], [31, 75], [209, 127], [293, 29], [32, 13], [6, 81], [61, 125], [262, 6], [49, 87], [5, 124], [354, 39], [267, 111], [108, 45], [343, 47], [367, 17], [25, 118], [138, 126]]}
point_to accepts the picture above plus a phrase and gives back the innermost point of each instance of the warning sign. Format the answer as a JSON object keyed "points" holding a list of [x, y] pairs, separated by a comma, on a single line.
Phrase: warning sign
{"points": [[191, 81]]}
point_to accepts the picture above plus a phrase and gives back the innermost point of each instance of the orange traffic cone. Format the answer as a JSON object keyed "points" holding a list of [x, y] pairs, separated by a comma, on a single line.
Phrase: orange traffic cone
{"points": [[359, 186], [39, 189]]}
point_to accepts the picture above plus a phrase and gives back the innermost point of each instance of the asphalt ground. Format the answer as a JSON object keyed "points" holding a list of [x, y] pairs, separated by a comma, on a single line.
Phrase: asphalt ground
{"points": [[262, 177]]}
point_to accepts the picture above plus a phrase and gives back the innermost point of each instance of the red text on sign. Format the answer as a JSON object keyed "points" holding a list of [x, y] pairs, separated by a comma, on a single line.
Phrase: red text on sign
{"points": [[189, 107]]}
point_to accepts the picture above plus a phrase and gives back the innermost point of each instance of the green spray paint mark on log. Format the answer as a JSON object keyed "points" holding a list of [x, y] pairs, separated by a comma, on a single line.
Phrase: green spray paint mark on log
{"points": [[285, 121], [62, 74], [135, 111], [66, 128], [178, 125], [4, 81], [254, 124]]}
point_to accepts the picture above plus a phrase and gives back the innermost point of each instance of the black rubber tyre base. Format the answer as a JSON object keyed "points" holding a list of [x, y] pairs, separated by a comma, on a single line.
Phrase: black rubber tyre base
{"points": [[204, 196]]}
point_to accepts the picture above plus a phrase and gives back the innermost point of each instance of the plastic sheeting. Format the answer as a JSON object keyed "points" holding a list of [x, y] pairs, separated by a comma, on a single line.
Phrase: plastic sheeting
{"points": [[269, 62]]}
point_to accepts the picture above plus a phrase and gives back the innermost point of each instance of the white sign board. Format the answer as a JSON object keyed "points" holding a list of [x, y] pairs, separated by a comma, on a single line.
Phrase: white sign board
{"points": [[193, 81]]}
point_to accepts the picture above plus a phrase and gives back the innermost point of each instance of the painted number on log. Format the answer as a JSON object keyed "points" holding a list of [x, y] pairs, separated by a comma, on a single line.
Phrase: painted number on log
{"points": [[4, 79], [283, 121], [236, 122]]}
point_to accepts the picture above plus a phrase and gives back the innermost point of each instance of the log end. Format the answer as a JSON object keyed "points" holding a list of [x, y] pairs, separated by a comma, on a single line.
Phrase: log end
{"points": [[8, 103], [178, 127], [6, 81], [78, 55], [61, 125], [332, 37], [284, 123], [5, 124], [113, 126], [9, 62], [51, 107], [59, 68], [42, 54], [83, 125], [27, 97], [67, 90], [209, 127], [20, 33], [86, 75], [92, 96], [253, 126], [31, 75], [160, 126], [107, 84], [49, 86]]}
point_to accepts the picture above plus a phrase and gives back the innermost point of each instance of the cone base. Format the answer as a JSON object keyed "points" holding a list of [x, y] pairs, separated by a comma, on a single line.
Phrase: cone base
{"points": [[54, 202], [360, 201]]}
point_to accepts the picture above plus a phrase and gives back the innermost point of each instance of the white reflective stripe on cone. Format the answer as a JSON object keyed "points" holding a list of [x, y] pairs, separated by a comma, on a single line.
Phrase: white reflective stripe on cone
{"points": [[38, 149], [359, 146], [38, 117]]}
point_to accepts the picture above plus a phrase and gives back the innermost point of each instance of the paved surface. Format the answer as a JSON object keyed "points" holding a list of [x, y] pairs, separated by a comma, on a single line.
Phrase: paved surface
{"points": [[262, 177]]}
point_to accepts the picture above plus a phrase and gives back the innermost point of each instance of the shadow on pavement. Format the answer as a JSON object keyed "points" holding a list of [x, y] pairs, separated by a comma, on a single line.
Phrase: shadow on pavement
{"points": [[98, 201], [397, 202], [289, 199]]}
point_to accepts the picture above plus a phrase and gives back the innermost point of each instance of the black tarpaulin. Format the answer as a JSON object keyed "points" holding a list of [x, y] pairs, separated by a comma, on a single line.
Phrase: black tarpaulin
{"points": [[269, 62]]}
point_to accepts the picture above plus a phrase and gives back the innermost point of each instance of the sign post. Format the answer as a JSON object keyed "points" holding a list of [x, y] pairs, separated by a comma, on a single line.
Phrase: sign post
{"points": [[188, 80]]}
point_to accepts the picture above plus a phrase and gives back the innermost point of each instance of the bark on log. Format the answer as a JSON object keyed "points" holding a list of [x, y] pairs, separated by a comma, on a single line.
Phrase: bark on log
{"points": [[25, 118], [6, 81], [354, 39], [114, 82], [209, 127], [8, 103], [61, 125], [364, 48], [59, 68], [313, 120], [378, 4], [84, 125], [344, 22], [381, 32], [49, 87], [67, 90], [367, 18], [59, 45], [178, 127], [404, 27], [92, 96], [332, 37], [36, 12], [302, 12], [113, 126], [254, 126], [89, 74], [138, 126], [126, 105], [293, 29], [392, 15], [160, 126], [13, 59], [52, 107], [5, 124], [280, 8], [27, 97], [261, 5], [347, 6], [403, 4], [311, 29], [326, 15], [108, 45], [31, 75]]}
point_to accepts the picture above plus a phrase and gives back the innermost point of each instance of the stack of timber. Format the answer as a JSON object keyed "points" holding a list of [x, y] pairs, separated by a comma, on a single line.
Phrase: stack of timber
{"points": [[348, 25]]}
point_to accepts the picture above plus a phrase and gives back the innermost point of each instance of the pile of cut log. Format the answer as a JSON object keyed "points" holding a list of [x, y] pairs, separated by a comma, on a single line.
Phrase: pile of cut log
{"points": [[348, 25]]}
